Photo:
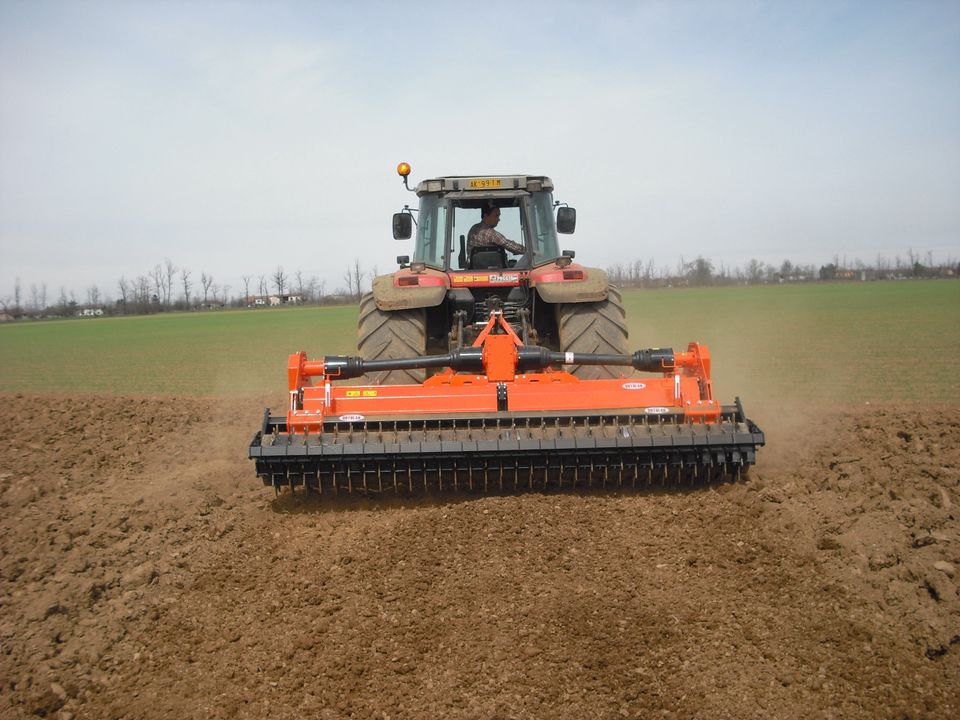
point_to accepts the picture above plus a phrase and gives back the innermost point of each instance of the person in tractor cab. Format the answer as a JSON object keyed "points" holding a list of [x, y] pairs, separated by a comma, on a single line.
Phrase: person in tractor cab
{"points": [[484, 236]]}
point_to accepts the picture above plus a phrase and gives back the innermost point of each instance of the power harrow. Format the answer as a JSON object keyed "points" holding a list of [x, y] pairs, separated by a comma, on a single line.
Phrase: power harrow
{"points": [[499, 416]]}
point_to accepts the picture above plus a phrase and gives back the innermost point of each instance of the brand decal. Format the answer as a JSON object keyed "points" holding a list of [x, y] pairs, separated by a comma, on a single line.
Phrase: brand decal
{"points": [[634, 386], [657, 410], [361, 393], [504, 278], [351, 418]]}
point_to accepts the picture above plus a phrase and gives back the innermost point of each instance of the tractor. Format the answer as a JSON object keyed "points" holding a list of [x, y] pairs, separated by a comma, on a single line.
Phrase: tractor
{"points": [[442, 298]]}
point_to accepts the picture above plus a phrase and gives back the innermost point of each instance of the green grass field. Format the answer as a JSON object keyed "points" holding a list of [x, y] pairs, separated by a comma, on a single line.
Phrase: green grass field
{"points": [[843, 342]]}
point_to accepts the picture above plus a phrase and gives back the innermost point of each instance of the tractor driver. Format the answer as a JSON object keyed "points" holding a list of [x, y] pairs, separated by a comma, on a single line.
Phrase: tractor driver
{"points": [[483, 234]]}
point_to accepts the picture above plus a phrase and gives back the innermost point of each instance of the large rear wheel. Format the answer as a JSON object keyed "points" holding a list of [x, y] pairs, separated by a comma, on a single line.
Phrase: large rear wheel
{"points": [[597, 327], [386, 335]]}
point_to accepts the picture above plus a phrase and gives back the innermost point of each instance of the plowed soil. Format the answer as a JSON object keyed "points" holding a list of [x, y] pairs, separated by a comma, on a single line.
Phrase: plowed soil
{"points": [[147, 574]]}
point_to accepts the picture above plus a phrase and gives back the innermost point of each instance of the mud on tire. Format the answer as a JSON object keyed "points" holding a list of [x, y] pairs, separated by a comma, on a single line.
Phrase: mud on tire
{"points": [[598, 327], [398, 334]]}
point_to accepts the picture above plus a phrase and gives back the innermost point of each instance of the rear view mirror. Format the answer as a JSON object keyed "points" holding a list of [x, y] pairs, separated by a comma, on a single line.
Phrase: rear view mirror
{"points": [[566, 220], [402, 226]]}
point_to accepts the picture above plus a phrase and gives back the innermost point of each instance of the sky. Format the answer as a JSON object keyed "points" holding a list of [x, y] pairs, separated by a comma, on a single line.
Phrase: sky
{"points": [[235, 137]]}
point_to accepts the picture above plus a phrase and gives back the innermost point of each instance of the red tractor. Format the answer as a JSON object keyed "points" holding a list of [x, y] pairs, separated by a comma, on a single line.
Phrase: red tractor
{"points": [[443, 298]]}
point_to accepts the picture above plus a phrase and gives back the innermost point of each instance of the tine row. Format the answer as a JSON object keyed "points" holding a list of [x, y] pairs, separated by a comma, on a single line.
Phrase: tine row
{"points": [[404, 476]]}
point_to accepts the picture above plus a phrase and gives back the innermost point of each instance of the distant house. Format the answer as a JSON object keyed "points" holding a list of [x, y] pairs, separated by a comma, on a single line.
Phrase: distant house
{"points": [[90, 312], [5, 317], [273, 300]]}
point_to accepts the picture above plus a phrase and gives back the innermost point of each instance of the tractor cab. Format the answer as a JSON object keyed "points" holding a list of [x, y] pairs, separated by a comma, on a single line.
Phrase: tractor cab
{"points": [[451, 206]]}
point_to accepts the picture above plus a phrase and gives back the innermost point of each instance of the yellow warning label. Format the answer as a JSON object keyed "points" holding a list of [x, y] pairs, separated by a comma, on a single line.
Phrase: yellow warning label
{"points": [[361, 393]]}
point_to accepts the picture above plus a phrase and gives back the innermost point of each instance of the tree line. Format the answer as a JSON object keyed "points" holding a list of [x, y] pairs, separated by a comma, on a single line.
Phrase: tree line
{"points": [[703, 271], [168, 287]]}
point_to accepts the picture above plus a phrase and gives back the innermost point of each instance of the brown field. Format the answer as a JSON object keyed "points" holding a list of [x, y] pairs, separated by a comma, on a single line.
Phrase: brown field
{"points": [[146, 574]]}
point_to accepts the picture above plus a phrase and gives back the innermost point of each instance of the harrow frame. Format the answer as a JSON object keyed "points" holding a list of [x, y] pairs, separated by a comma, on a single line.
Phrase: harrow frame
{"points": [[501, 417]]}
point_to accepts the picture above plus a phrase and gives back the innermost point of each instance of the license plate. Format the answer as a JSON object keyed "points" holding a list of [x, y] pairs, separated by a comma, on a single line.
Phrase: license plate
{"points": [[485, 183]]}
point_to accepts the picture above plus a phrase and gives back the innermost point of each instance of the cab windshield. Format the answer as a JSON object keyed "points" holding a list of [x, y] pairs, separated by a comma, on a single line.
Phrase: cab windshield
{"points": [[526, 219]]}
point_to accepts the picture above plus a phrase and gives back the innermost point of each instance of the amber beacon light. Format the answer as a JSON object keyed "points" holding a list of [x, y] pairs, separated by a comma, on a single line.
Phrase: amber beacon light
{"points": [[403, 169]]}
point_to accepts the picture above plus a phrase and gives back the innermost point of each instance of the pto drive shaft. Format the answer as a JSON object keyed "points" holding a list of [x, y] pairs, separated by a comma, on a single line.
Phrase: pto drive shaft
{"points": [[529, 357]]}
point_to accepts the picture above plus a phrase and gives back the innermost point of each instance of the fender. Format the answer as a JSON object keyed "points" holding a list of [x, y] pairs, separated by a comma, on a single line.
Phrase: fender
{"points": [[572, 284], [406, 290]]}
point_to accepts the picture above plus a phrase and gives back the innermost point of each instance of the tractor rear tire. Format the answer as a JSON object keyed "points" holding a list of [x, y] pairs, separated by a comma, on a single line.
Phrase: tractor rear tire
{"points": [[597, 327], [387, 335]]}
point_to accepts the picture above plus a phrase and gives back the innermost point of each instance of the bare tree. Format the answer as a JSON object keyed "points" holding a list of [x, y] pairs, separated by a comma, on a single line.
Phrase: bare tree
{"points": [[34, 297], [358, 276], [354, 279], [170, 270], [124, 291], [300, 286], [142, 292], [43, 297], [263, 286], [93, 295], [754, 270], [16, 295], [206, 281], [246, 287], [279, 278], [185, 281], [158, 280]]}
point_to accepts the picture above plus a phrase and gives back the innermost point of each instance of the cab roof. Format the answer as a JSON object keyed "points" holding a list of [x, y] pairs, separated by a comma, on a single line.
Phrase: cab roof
{"points": [[483, 184]]}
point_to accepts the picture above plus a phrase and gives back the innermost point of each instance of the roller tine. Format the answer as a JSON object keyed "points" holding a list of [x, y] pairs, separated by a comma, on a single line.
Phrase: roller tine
{"points": [[456, 484], [486, 476]]}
